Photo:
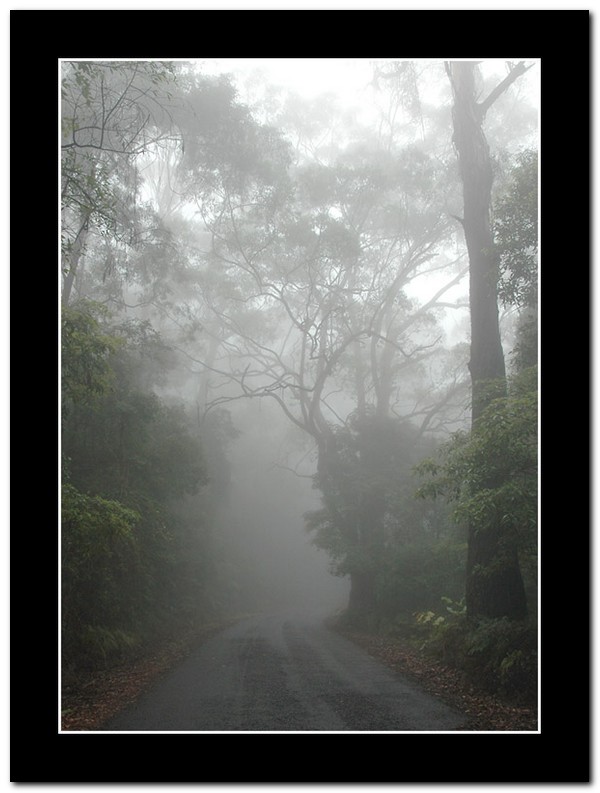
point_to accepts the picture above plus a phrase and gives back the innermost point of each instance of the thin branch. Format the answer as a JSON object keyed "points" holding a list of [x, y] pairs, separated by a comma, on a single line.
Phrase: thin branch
{"points": [[513, 75], [407, 355], [292, 470]]}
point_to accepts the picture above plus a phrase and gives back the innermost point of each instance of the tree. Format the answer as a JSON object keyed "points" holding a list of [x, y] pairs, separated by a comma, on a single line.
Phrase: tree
{"points": [[268, 271], [111, 114], [490, 475], [369, 515], [516, 243], [100, 556], [317, 304], [86, 353], [129, 463], [515, 230], [494, 586], [134, 469]]}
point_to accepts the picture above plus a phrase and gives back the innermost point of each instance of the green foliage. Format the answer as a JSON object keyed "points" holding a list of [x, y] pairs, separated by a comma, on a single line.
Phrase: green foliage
{"points": [[363, 478], [225, 146], [516, 234], [442, 630], [125, 443], [492, 471], [112, 113], [454, 608], [86, 354], [113, 107], [415, 577], [502, 656], [106, 643], [90, 195], [490, 475], [100, 560], [94, 524], [124, 447], [403, 554], [332, 244], [129, 462], [525, 351], [497, 655]]}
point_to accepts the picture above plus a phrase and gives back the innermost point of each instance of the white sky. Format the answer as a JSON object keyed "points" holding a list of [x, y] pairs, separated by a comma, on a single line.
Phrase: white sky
{"points": [[347, 77], [307, 76]]}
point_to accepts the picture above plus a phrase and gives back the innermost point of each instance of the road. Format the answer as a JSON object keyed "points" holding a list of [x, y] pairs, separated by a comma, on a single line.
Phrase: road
{"points": [[283, 672]]}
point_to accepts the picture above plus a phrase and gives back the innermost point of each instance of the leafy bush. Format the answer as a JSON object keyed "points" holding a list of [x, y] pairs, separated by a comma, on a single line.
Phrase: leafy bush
{"points": [[416, 577], [443, 632], [130, 461], [100, 560], [490, 475], [107, 643], [498, 655], [501, 656], [518, 675]]}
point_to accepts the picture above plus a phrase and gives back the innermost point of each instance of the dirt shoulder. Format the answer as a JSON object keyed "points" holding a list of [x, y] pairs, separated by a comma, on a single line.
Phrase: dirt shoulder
{"points": [[88, 704], [486, 712]]}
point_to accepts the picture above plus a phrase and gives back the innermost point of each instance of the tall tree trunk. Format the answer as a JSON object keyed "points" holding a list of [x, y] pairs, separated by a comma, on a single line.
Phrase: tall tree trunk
{"points": [[494, 586], [488, 374], [356, 525]]}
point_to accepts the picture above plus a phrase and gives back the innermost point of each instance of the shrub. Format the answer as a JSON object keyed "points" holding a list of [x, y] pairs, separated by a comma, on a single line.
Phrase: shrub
{"points": [[501, 656], [498, 655]]}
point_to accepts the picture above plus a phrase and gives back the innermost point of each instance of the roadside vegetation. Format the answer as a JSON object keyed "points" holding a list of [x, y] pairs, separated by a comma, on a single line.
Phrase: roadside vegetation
{"points": [[365, 284]]}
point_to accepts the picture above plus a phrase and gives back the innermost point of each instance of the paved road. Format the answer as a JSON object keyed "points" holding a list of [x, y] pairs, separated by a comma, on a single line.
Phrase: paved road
{"points": [[283, 673]]}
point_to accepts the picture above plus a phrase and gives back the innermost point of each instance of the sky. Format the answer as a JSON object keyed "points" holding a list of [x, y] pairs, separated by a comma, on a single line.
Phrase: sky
{"points": [[348, 78], [307, 76]]}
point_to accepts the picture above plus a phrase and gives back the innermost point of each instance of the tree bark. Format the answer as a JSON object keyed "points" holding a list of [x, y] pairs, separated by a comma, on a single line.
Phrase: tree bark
{"points": [[494, 586], [488, 373]]}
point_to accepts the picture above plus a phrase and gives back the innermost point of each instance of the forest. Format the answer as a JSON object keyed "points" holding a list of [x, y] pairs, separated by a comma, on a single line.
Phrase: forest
{"points": [[299, 355]]}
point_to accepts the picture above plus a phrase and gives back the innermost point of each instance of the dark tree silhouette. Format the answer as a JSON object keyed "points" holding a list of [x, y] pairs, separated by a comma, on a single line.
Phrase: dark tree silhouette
{"points": [[494, 586]]}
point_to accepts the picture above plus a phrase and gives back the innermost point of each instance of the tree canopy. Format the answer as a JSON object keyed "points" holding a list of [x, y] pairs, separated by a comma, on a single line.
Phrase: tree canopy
{"points": [[344, 270]]}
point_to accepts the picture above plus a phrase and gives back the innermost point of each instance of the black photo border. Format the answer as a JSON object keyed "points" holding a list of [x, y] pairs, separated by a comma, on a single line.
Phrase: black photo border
{"points": [[560, 753]]}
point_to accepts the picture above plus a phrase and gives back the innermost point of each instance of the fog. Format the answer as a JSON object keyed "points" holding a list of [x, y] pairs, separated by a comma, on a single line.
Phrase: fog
{"points": [[268, 336], [275, 565]]}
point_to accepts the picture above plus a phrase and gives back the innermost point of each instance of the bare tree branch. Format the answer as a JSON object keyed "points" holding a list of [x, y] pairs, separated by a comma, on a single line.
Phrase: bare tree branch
{"points": [[513, 75]]}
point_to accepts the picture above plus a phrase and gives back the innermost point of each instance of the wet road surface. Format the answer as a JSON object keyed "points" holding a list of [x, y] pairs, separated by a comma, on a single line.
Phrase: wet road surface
{"points": [[283, 673]]}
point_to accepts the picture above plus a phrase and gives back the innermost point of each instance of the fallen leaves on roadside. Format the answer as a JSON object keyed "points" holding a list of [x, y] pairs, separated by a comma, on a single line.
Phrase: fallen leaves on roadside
{"points": [[88, 705], [486, 712]]}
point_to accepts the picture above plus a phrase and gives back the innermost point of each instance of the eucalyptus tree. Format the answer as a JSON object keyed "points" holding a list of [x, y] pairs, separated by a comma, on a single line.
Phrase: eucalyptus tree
{"points": [[316, 317], [501, 265], [475, 165], [230, 169], [120, 480], [147, 149], [112, 113], [494, 586], [289, 279]]}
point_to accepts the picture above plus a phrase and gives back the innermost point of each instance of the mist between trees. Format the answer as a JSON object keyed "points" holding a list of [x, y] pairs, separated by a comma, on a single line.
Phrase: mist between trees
{"points": [[299, 355]]}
